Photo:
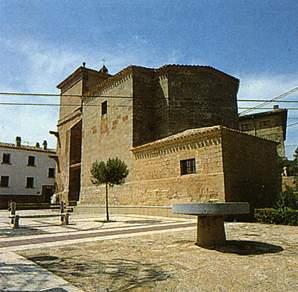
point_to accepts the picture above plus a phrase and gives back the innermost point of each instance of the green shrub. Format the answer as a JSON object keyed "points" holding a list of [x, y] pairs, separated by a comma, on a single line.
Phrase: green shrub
{"points": [[287, 199], [284, 216]]}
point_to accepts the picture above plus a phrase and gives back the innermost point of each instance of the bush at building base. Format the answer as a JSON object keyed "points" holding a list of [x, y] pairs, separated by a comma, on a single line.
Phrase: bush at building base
{"points": [[286, 216]]}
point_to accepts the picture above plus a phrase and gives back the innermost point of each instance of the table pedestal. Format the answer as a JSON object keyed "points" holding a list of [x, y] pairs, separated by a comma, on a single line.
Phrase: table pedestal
{"points": [[210, 231]]}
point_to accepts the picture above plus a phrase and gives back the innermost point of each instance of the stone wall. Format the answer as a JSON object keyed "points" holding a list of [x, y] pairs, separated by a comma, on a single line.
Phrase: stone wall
{"points": [[69, 128], [69, 117], [157, 176], [144, 99], [201, 99], [230, 166], [250, 167], [156, 180], [109, 135]]}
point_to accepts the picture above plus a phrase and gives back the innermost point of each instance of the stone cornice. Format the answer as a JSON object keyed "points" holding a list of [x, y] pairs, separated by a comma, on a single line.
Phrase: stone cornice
{"points": [[189, 139]]}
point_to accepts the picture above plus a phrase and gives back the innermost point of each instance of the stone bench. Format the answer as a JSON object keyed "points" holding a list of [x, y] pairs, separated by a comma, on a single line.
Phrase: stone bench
{"points": [[15, 218], [210, 227]]}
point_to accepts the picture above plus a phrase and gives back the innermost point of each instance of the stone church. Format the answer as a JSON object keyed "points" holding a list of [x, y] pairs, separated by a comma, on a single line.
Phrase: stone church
{"points": [[177, 129]]}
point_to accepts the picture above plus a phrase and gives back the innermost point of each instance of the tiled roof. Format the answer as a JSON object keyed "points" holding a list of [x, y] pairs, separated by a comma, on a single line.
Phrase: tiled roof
{"points": [[189, 134], [179, 136]]}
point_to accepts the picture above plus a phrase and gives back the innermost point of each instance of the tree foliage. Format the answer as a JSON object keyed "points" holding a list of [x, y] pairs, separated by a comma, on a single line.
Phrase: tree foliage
{"points": [[112, 172]]}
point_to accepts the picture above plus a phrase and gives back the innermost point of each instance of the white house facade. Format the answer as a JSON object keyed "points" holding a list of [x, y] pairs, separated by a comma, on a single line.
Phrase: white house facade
{"points": [[27, 173]]}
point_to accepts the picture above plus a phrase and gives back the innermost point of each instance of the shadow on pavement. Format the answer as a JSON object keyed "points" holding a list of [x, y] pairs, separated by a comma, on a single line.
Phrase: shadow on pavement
{"points": [[143, 221], [247, 247], [115, 274]]}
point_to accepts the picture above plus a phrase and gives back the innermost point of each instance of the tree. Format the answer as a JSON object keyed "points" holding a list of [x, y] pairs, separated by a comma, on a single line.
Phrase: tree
{"points": [[112, 172]]}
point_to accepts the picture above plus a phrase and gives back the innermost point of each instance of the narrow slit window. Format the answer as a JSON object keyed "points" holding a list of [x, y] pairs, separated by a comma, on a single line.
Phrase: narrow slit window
{"points": [[104, 108]]}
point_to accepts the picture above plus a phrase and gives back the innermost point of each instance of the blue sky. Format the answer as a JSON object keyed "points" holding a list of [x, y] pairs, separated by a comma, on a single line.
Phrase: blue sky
{"points": [[42, 42]]}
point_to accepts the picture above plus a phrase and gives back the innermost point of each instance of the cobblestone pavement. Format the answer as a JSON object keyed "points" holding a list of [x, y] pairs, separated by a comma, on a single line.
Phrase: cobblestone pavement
{"points": [[20, 274], [140, 253]]}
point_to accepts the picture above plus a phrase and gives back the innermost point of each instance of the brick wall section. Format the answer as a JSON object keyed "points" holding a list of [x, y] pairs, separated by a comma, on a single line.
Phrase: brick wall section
{"points": [[250, 167], [144, 100], [161, 107], [164, 101], [201, 99], [157, 171], [106, 136], [156, 180], [70, 116], [230, 166]]}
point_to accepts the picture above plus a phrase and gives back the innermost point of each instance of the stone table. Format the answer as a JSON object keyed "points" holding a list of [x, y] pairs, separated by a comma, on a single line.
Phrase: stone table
{"points": [[210, 228]]}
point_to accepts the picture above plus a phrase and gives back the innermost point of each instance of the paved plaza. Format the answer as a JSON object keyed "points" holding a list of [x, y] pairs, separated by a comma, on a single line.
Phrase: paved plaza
{"points": [[143, 253]]}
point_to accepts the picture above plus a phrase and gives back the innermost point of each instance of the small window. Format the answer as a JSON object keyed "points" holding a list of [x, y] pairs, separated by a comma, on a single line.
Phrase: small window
{"points": [[4, 181], [51, 172], [6, 158], [31, 161], [188, 166], [104, 108], [30, 182]]}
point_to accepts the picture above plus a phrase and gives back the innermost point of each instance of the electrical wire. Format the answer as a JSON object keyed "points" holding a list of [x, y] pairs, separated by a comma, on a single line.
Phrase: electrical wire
{"points": [[59, 95], [129, 96], [271, 100]]}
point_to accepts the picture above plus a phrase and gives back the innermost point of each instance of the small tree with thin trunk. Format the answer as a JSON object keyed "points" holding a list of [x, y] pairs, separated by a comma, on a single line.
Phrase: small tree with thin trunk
{"points": [[112, 172]]}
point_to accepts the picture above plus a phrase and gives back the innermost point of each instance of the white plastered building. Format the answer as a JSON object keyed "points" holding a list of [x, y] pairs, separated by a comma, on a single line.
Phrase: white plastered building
{"points": [[27, 173]]}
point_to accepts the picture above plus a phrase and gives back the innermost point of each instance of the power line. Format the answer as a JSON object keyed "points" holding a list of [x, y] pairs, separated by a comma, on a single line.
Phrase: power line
{"points": [[52, 104], [59, 95], [129, 96], [293, 124], [87, 105], [268, 108], [265, 100], [271, 100]]}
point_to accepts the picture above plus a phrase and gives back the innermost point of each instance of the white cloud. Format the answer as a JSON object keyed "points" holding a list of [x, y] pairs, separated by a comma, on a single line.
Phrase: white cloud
{"points": [[44, 66], [265, 86]]}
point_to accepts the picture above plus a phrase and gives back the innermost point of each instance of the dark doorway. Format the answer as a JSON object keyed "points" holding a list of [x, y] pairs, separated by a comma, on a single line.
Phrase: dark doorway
{"points": [[47, 191], [75, 163], [74, 184]]}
